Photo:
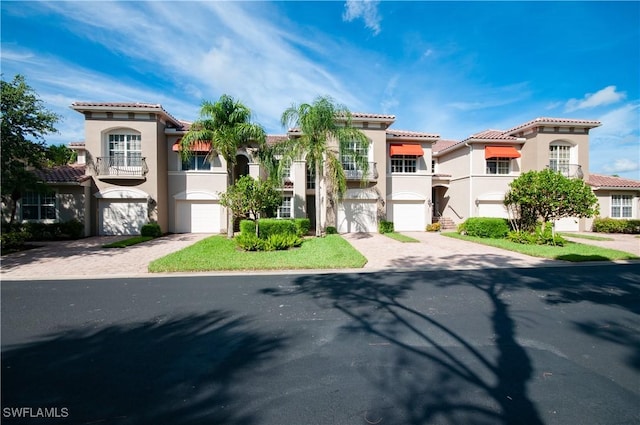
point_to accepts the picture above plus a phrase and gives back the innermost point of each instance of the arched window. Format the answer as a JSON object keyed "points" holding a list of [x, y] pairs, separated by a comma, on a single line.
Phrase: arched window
{"points": [[561, 157], [124, 148]]}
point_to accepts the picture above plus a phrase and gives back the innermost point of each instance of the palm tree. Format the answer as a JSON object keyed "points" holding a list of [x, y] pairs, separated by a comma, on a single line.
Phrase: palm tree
{"points": [[322, 124], [226, 124]]}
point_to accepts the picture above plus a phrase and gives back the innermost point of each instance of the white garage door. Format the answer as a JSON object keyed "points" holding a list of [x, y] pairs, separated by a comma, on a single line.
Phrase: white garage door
{"points": [[197, 217], [122, 217], [569, 224], [357, 216], [408, 216], [492, 209]]}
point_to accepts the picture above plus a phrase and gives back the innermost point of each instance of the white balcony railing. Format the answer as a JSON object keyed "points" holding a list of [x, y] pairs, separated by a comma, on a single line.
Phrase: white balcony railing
{"points": [[352, 173], [111, 166], [573, 171]]}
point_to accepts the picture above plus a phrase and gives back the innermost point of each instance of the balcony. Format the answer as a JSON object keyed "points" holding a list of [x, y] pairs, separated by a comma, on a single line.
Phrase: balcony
{"points": [[573, 171], [117, 167], [352, 173]]}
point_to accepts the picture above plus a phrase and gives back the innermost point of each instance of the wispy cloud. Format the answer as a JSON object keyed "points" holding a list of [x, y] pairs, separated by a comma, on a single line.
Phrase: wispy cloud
{"points": [[367, 10], [606, 96], [622, 165]]}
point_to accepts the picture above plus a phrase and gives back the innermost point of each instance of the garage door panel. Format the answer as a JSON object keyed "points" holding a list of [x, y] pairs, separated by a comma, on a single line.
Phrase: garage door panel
{"points": [[567, 224], [492, 209], [354, 217], [408, 216], [197, 217], [122, 218]]}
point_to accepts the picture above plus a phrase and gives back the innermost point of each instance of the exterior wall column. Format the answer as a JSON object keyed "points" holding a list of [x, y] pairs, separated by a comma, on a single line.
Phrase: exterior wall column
{"points": [[299, 177]]}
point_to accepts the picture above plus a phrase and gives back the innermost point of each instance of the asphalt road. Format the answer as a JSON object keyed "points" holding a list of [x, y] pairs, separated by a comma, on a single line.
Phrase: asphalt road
{"points": [[499, 346]]}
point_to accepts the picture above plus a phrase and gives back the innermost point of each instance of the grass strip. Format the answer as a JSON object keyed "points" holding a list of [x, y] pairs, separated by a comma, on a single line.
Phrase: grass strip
{"points": [[589, 237], [400, 237], [218, 253], [572, 251], [128, 242]]}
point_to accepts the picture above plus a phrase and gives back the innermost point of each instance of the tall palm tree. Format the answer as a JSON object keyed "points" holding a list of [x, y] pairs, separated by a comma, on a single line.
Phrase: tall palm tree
{"points": [[323, 125], [226, 124]]}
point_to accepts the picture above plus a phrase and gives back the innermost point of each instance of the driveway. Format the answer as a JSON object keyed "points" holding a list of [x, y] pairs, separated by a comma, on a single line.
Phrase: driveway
{"points": [[86, 257]]}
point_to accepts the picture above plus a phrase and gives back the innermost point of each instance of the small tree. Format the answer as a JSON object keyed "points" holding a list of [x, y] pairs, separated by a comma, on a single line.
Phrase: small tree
{"points": [[549, 196], [60, 155], [25, 122], [252, 197]]}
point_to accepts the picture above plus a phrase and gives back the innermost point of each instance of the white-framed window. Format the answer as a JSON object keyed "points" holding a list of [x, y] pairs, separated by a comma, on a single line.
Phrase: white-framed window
{"points": [[560, 157], [433, 166], [404, 164], [311, 178], [125, 149], [349, 151], [621, 206], [284, 210], [36, 206], [498, 166], [197, 161]]}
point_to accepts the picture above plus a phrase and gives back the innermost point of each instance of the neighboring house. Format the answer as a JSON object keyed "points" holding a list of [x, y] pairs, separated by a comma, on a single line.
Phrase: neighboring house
{"points": [[135, 174]]}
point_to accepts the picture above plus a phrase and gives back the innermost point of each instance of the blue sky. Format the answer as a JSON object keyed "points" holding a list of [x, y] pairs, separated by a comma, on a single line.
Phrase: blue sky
{"points": [[451, 68]]}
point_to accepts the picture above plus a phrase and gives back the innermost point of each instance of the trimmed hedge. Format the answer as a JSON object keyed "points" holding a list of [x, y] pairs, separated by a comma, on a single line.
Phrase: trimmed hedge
{"points": [[385, 226], [271, 226], [614, 225], [331, 230], [485, 227], [151, 229]]}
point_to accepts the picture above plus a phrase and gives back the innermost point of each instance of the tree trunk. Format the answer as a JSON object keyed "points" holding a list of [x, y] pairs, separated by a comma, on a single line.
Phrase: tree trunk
{"points": [[318, 206]]}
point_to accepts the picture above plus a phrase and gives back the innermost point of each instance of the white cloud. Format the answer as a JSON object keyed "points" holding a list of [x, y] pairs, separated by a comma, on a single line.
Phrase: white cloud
{"points": [[365, 9], [606, 96], [622, 166]]}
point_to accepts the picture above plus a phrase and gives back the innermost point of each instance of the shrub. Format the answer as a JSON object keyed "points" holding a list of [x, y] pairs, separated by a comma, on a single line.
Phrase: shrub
{"points": [[272, 226], [613, 225], [331, 230], [249, 242], [151, 229], [302, 226], [281, 241], [385, 226], [247, 227], [13, 239], [433, 227], [74, 229], [486, 227], [538, 237]]}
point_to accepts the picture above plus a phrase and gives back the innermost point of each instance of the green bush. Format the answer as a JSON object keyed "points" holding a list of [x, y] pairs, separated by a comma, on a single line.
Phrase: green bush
{"points": [[538, 237], [249, 242], [281, 241], [151, 229], [272, 226], [486, 227], [74, 229], [302, 226], [613, 225], [13, 239], [331, 230], [385, 226]]}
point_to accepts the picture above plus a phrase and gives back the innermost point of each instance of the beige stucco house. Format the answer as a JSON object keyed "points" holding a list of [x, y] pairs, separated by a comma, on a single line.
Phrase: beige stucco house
{"points": [[130, 172]]}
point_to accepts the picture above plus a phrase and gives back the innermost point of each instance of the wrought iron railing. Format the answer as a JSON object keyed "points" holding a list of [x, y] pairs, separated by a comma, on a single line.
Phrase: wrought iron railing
{"points": [[568, 170], [355, 174], [121, 166]]}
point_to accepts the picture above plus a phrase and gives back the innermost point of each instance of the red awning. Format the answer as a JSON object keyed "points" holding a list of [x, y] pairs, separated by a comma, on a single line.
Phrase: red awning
{"points": [[196, 147], [501, 152], [406, 149]]}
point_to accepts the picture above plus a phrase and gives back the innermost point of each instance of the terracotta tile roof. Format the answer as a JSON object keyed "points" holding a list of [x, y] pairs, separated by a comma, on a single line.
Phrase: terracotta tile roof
{"points": [[76, 145], [373, 116], [492, 135], [443, 144], [78, 106], [405, 133], [556, 121], [63, 174], [272, 139], [597, 180]]}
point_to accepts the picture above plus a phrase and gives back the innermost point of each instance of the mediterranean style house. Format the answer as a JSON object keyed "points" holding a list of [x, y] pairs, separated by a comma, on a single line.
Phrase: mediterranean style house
{"points": [[130, 172]]}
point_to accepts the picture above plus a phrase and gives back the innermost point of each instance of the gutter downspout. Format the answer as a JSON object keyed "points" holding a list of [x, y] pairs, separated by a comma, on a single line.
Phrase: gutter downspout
{"points": [[470, 178]]}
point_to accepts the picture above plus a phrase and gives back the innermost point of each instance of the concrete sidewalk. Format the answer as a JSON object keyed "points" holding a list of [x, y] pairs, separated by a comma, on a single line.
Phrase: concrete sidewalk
{"points": [[85, 258]]}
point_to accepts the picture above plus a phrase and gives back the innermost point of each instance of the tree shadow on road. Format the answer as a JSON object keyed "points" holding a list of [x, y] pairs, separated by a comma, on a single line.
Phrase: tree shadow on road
{"points": [[437, 375], [170, 370]]}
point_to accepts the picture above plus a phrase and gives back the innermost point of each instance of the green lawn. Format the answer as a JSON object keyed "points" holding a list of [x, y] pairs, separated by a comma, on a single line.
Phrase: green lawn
{"points": [[575, 252], [400, 237], [220, 253], [589, 237], [128, 242]]}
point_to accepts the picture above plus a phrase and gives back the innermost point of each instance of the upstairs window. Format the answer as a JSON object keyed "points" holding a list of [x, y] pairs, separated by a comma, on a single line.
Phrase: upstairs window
{"points": [[125, 150], [349, 151], [621, 206], [498, 166], [560, 158], [37, 206], [404, 164], [284, 210], [197, 161]]}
